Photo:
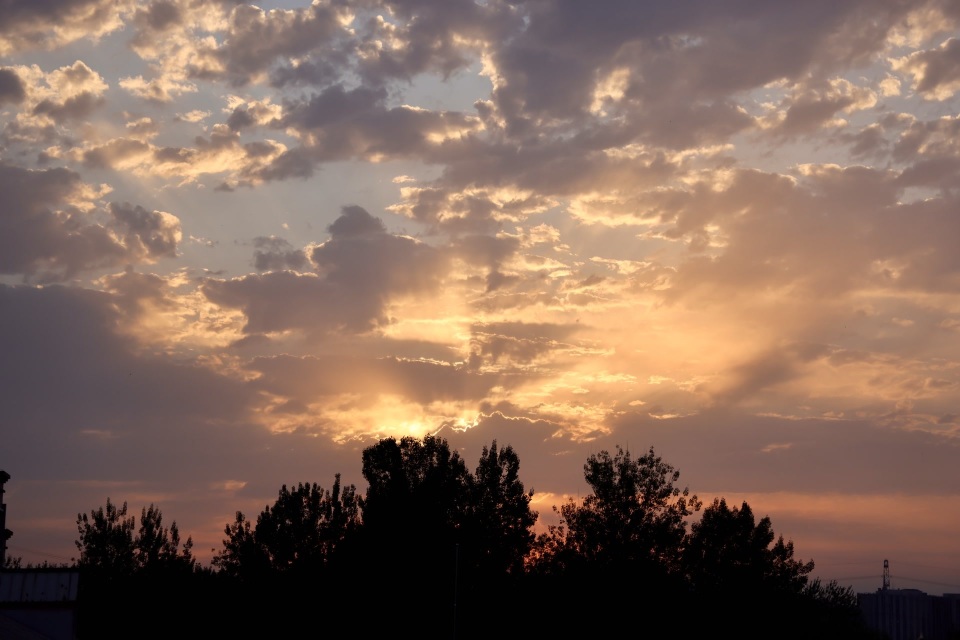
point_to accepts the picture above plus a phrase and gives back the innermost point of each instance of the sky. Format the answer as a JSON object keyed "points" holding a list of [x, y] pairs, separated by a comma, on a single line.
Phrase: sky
{"points": [[240, 243]]}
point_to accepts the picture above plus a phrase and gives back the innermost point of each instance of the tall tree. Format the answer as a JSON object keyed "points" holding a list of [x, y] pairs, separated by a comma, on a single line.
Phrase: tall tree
{"points": [[108, 543], [727, 549], [158, 548], [105, 540], [635, 515], [300, 532], [499, 513], [415, 488]]}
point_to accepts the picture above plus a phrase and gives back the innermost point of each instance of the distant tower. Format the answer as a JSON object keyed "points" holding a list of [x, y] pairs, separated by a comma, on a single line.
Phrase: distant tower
{"points": [[4, 532], [886, 575]]}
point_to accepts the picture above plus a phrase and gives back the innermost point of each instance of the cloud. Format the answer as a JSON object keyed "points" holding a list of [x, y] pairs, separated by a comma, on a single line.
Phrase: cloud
{"points": [[275, 254], [12, 90], [66, 340], [357, 272], [238, 43], [66, 94], [849, 456], [418, 38], [678, 62], [50, 24], [814, 107], [341, 124], [934, 71], [517, 342], [50, 230], [308, 379], [151, 234], [221, 153]]}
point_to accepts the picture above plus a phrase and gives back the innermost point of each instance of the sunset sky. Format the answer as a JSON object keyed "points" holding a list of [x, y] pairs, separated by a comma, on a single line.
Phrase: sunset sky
{"points": [[239, 243]]}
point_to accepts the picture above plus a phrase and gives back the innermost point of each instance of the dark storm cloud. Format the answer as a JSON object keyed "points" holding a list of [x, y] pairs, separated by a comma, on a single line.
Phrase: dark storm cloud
{"points": [[358, 271]]}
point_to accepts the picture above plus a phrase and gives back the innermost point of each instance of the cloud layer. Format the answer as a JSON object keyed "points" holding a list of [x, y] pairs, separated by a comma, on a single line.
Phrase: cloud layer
{"points": [[238, 244]]}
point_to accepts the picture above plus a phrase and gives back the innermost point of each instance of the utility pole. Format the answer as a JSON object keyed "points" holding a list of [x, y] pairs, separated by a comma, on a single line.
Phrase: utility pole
{"points": [[4, 532], [886, 575]]}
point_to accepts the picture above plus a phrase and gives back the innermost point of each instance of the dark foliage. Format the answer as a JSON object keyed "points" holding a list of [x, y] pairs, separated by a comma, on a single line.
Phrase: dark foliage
{"points": [[728, 551], [108, 545], [635, 516], [300, 533], [436, 551]]}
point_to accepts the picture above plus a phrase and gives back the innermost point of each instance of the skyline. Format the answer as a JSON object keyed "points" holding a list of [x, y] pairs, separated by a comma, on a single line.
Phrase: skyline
{"points": [[239, 243]]}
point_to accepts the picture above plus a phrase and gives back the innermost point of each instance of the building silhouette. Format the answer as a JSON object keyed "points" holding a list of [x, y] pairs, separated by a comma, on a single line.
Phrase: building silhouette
{"points": [[910, 614]]}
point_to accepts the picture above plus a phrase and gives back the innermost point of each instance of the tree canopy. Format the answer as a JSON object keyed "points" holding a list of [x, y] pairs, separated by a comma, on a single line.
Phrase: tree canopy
{"points": [[635, 514], [728, 550], [429, 532], [301, 531], [108, 544]]}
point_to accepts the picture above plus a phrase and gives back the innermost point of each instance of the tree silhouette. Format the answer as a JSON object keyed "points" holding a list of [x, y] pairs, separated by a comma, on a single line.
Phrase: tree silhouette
{"points": [[105, 540], [421, 484], [108, 545], [635, 515], [158, 548], [727, 549], [300, 532], [499, 515]]}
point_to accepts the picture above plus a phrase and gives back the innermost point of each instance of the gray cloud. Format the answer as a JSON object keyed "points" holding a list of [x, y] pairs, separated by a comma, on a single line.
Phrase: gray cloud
{"points": [[96, 416], [150, 233], [936, 69], [356, 123], [428, 37], [45, 234], [159, 15], [256, 41], [11, 87], [274, 254], [730, 451], [50, 23], [517, 342], [310, 378], [680, 58], [358, 270], [73, 108]]}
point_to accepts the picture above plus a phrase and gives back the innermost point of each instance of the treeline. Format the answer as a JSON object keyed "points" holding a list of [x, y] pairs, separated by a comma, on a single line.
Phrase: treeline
{"points": [[437, 550]]}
